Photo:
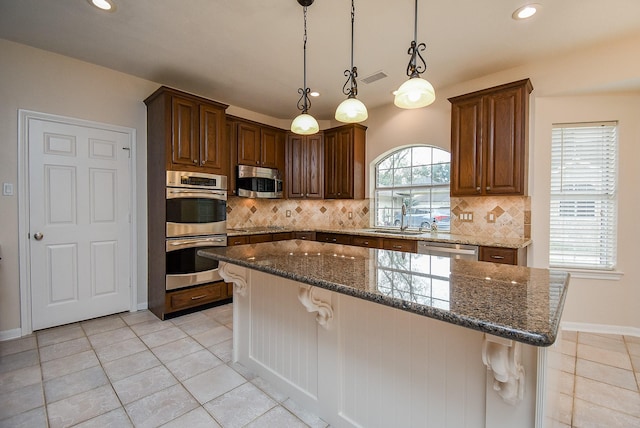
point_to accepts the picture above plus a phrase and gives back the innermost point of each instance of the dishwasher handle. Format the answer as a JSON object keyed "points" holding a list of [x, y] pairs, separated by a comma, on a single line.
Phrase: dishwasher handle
{"points": [[448, 250]]}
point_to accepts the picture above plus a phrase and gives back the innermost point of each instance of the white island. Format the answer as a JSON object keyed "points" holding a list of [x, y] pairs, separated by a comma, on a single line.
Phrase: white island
{"points": [[375, 338]]}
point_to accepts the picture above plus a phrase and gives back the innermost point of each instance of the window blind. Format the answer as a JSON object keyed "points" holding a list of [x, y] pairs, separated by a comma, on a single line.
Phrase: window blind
{"points": [[583, 211]]}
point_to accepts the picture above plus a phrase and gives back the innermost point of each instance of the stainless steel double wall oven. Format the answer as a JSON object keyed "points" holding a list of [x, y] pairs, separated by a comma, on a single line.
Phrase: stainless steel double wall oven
{"points": [[196, 219]]}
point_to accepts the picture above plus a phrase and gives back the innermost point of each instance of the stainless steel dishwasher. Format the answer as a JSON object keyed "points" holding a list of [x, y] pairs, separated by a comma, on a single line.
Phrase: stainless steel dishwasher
{"points": [[454, 251]]}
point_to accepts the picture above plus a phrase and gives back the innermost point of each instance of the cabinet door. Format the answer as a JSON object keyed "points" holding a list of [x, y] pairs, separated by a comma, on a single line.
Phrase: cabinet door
{"points": [[184, 132], [295, 173], [271, 148], [314, 166], [466, 147], [231, 140], [248, 144], [214, 153], [332, 179], [344, 163], [504, 142]]}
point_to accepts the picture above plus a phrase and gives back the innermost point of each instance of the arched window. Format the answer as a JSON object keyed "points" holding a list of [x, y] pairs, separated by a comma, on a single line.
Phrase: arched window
{"points": [[417, 176]]}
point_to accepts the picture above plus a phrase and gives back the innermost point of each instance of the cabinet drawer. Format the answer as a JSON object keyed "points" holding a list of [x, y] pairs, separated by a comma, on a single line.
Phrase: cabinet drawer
{"points": [[365, 241], [509, 256], [282, 236], [237, 240], [334, 238], [256, 239], [305, 236], [183, 299], [400, 245]]}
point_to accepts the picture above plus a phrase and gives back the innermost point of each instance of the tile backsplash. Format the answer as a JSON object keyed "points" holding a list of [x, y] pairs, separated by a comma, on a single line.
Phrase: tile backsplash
{"points": [[493, 216], [303, 213]]}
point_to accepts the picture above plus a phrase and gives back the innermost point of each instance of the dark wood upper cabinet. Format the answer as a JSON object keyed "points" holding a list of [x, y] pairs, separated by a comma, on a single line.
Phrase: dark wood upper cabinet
{"points": [[260, 145], [489, 141], [190, 130], [248, 136], [305, 175], [344, 162]]}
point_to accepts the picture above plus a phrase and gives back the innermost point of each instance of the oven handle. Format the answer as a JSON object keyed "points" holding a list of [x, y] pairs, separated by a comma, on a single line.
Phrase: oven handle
{"points": [[208, 194], [176, 244]]}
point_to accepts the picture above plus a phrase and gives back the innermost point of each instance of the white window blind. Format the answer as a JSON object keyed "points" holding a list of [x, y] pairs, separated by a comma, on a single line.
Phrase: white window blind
{"points": [[583, 211]]}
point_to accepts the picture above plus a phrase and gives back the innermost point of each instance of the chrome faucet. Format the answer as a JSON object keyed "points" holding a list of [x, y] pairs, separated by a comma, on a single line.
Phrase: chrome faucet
{"points": [[402, 217]]}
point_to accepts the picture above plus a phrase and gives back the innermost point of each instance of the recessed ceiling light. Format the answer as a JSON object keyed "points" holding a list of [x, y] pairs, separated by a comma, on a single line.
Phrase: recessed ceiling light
{"points": [[526, 11], [314, 94], [106, 5]]}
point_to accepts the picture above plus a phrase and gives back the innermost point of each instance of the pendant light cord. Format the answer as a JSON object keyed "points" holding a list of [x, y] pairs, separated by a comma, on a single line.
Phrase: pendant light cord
{"points": [[304, 48], [353, 14], [415, 23]]}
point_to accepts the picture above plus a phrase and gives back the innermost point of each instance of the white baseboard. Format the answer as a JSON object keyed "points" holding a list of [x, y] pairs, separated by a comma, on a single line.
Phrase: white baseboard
{"points": [[143, 306], [600, 328], [10, 334]]}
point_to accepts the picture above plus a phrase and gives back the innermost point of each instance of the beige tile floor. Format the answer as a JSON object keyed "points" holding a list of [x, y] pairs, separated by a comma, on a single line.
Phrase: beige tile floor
{"points": [[131, 369], [600, 380]]}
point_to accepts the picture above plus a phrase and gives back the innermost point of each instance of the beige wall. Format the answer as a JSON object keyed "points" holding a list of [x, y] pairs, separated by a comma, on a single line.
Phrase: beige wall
{"points": [[36, 80], [595, 301], [605, 69]]}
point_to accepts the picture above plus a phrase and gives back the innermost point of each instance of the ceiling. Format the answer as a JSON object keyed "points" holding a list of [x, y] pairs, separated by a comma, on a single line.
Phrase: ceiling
{"points": [[249, 53]]}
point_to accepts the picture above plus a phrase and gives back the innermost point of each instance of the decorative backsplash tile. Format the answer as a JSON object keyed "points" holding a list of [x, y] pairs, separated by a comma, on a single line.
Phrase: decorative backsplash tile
{"points": [[303, 213], [493, 216]]}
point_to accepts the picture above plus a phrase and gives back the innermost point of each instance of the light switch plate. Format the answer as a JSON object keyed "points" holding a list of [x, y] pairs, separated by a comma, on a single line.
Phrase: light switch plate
{"points": [[7, 189]]}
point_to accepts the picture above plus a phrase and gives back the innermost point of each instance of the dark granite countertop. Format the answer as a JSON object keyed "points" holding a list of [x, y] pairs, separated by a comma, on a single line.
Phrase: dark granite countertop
{"points": [[393, 233], [519, 303]]}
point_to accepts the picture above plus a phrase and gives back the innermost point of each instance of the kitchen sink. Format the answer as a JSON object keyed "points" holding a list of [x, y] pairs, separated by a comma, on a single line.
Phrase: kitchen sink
{"points": [[399, 232]]}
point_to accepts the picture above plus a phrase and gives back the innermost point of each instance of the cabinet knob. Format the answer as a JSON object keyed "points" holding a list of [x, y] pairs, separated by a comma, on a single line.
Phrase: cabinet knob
{"points": [[202, 163], [488, 187], [497, 257], [478, 189], [195, 161]]}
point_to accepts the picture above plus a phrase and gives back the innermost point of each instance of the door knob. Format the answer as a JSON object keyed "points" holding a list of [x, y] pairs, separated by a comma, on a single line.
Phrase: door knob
{"points": [[38, 236]]}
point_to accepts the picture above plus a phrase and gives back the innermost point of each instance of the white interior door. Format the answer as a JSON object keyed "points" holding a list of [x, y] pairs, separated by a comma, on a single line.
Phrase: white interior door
{"points": [[79, 222]]}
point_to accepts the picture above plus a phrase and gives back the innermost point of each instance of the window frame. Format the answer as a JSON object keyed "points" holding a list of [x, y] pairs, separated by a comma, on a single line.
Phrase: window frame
{"points": [[419, 215], [583, 197]]}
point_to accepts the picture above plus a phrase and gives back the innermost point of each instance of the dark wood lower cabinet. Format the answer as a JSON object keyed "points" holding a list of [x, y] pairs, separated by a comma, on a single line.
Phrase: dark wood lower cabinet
{"points": [[305, 236], [366, 241], [191, 297], [405, 245], [508, 256], [333, 238]]}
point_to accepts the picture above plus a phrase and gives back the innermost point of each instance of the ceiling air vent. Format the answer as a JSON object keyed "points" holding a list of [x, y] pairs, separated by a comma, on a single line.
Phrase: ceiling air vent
{"points": [[374, 77]]}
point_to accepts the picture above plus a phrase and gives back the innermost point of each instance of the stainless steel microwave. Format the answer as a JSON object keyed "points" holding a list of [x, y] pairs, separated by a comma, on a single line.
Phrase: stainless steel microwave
{"points": [[258, 182]]}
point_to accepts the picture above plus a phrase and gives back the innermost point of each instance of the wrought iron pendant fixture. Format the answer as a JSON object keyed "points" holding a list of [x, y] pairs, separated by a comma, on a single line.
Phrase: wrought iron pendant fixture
{"points": [[351, 110], [304, 123], [415, 92]]}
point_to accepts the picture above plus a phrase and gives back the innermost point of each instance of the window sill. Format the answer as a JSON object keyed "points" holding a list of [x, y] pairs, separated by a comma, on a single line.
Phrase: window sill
{"points": [[610, 275]]}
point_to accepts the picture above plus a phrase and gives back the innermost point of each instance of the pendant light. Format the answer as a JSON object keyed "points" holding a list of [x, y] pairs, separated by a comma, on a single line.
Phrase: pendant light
{"points": [[415, 92], [304, 124], [351, 110]]}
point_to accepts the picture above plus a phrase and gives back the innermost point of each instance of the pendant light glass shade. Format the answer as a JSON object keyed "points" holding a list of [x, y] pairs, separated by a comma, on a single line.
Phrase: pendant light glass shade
{"points": [[351, 110], [304, 124], [415, 93]]}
